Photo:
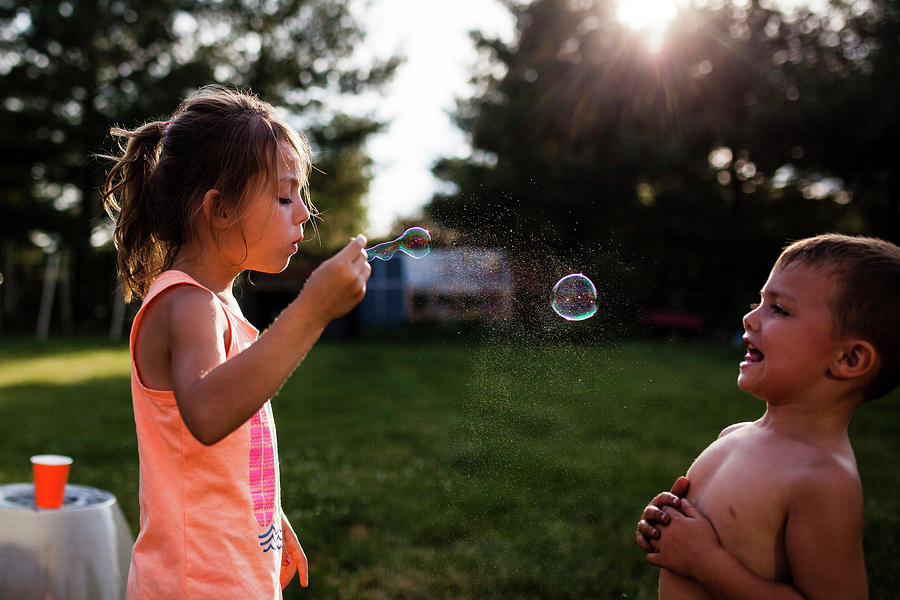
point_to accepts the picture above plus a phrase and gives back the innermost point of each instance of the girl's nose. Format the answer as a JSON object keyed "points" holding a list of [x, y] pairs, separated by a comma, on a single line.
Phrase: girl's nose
{"points": [[301, 215]]}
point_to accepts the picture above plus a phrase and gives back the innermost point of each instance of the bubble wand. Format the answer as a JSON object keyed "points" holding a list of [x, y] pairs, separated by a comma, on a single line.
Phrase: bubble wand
{"points": [[415, 242]]}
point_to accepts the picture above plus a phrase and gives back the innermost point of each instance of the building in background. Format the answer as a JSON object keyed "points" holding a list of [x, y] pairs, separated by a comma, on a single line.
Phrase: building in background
{"points": [[450, 284]]}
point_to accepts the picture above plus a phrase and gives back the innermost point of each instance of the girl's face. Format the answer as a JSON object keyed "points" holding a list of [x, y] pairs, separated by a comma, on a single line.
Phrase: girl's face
{"points": [[789, 340], [273, 223]]}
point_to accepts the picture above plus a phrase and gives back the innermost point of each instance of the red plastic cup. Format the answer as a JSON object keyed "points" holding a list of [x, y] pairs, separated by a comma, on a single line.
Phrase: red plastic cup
{"points": [[50, 474]]}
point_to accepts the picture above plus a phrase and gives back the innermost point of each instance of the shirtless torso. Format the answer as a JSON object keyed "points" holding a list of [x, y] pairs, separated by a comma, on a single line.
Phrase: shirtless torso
{"points": [[743, 484]]}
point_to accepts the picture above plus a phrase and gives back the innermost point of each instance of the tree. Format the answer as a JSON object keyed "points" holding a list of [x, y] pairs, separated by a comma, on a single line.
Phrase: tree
{"points": [[676, 175], [71, 70]]}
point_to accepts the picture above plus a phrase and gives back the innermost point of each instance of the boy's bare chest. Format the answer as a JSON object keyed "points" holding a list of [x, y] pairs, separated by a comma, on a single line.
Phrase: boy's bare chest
{"points": [[740, 487]]}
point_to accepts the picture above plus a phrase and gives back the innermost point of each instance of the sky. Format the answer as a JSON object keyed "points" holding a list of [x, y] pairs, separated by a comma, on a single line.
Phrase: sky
{"points": [[432, 35]]}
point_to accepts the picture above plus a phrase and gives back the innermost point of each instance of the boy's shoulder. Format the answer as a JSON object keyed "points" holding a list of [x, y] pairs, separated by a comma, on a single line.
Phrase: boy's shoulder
{"points": [[733, 428], [796, 463], [819, 468]]}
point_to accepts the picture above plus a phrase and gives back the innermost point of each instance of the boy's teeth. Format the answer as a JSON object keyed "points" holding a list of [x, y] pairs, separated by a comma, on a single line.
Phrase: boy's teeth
{"points": [[753, 355]]}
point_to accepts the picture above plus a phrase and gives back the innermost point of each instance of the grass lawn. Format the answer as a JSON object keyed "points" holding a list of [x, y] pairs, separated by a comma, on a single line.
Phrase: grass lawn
{"points": [[453, 470]]}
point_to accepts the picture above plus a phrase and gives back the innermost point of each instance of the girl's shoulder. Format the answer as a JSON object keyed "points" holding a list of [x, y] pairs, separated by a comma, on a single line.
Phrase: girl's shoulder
{"points": [[180, 318], [176, 298], [188, 309]]}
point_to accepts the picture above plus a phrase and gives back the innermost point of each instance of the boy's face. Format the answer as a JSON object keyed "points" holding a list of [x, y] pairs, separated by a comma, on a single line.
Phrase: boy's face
{"points": [[789, 338]]}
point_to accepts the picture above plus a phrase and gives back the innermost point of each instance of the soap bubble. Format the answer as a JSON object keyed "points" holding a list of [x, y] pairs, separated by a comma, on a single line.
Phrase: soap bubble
{"points": [[415, 242], [575, 297]]}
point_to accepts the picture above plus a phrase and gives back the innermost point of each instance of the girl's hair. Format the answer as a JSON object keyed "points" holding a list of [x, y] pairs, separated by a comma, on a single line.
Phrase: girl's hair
{"points": [[218, 138]]}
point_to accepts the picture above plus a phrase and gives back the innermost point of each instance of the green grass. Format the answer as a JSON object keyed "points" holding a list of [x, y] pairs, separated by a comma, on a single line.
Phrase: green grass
{"points": [[447, 470]]}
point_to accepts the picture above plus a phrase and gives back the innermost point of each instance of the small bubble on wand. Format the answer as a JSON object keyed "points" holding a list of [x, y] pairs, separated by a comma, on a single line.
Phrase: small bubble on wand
{"points": [[415, 242]]}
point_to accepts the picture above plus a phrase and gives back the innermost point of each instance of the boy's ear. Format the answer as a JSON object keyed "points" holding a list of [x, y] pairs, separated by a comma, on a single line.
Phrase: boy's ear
{"points": [[858, 358], [217, 211]]}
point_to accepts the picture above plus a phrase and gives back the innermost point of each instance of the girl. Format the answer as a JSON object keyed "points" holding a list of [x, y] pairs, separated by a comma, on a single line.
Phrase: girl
{"points": [[218, 189]]}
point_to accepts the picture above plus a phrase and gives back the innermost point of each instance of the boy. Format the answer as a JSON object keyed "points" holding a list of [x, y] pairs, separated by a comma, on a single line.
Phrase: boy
{"points": [[773, 509]]}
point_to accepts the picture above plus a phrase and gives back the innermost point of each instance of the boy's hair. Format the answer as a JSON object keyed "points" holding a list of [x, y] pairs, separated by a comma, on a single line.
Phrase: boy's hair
{"points": [[218, 138], [867, 301]]}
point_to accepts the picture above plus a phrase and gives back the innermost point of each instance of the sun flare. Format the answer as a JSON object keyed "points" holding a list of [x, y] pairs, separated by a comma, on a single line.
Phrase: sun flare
{"points": [[649, 16]]}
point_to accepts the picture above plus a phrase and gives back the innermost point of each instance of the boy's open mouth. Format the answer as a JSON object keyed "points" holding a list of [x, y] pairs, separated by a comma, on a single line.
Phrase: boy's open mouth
{"points": [[753, 354]]}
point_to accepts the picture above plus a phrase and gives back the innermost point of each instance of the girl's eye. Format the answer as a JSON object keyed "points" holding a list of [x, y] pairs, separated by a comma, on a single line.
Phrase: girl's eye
{"points": [[285, 200]]}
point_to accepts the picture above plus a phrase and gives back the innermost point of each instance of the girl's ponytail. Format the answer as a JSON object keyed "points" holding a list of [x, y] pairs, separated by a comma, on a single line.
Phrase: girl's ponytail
{"points": [[128, 197]]}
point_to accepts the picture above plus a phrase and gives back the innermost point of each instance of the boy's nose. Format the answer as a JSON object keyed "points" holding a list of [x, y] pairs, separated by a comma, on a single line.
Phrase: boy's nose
{"points": [[749, 321]]}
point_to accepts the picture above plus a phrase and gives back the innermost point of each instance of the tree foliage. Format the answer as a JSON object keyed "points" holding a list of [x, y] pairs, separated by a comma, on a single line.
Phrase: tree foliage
{"points": [[676, 174], [73, 69]]}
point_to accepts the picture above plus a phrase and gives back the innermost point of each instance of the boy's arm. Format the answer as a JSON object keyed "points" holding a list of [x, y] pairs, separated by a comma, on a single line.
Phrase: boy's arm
{"points": [[823, 536], [823, 541], [690, 547]]}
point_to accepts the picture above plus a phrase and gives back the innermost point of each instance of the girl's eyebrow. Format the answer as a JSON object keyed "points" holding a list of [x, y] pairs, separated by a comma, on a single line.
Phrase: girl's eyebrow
{"points": [[290, 178]]}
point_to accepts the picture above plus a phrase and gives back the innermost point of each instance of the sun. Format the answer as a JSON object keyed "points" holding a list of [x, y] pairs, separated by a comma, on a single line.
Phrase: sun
{"points": [[649, 16]]}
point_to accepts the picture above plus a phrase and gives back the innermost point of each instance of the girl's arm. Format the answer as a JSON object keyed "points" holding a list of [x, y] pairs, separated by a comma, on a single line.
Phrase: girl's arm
{"points": [[216, 397]]}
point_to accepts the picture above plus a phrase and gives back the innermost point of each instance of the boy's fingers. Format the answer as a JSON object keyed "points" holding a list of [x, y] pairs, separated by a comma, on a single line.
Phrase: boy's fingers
{"points": [[648, 530], [642, 542], [680, 487], [666, 498], [654, 514]]}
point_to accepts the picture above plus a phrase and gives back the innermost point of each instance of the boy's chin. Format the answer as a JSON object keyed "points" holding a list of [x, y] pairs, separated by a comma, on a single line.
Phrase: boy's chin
{"points": [[745, 384]]}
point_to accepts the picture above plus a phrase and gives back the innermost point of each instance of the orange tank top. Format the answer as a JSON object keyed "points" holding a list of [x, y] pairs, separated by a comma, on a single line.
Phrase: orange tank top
{"points": [[210, 516]]}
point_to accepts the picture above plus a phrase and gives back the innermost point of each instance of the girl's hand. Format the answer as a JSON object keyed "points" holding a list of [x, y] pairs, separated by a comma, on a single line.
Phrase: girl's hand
{"points": [[293, 559], [339, 283], [685, 541], [654, 514]]}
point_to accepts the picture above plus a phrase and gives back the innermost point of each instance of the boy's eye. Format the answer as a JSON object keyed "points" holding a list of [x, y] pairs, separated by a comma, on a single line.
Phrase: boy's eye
{"points": [[776, 308]]}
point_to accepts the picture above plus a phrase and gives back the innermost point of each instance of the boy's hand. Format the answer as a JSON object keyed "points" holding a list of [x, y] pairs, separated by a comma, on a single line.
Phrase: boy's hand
{"points": [[339, 283], [293, 559], [654, 514], [688, 540]]}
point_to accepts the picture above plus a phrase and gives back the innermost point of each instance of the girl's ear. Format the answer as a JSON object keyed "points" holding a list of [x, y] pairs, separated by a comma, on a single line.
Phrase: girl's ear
{"points": [[216, 210], [858, 358]]}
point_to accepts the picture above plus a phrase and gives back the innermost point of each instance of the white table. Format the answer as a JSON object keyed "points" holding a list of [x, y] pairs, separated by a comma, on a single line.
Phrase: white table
{"points": [[79, 551]]}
